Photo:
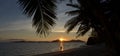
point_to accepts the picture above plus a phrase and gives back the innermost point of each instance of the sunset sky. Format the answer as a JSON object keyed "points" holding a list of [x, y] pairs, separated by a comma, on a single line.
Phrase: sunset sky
{"points": [[15, 25]]}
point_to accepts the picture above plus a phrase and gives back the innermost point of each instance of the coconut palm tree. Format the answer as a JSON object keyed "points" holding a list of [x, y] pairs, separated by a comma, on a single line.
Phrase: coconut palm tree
{"points": [[102, 16]]}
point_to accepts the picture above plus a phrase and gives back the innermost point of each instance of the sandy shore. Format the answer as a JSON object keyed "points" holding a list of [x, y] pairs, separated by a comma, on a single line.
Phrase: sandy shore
{"points": [[95, 50]]}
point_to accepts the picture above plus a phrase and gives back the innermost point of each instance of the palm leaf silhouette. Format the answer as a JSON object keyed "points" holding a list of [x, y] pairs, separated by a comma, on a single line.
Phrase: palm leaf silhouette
{"points": [[42, 12], [79, 19]]}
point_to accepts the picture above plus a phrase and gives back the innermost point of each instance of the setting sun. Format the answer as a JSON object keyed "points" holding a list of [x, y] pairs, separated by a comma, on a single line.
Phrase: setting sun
{"points": [[61, 39]]}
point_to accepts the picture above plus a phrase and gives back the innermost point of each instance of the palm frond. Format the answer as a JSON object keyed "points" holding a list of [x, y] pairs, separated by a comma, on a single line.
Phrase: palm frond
{"points": [[43, 13], [72, 13], [82, 30], [81, 20], [72, 23], [74, 5]]}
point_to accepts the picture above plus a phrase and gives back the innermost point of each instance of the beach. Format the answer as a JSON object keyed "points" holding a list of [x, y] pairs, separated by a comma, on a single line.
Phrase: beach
{"points": [[93, 50]]}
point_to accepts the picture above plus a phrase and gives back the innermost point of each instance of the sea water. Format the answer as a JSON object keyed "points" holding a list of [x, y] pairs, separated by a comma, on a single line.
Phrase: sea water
{"points": [[16, 49]]}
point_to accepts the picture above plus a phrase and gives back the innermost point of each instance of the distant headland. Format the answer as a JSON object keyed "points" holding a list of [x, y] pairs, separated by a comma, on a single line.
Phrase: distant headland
{"points": [[68, 40]]}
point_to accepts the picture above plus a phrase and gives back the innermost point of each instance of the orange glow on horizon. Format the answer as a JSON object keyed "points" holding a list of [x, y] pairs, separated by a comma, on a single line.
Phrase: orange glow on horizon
{"points": [[61, 39]]}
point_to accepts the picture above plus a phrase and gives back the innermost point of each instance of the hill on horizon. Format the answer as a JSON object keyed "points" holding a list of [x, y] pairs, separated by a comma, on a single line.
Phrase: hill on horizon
{"points": [[57, 40]]}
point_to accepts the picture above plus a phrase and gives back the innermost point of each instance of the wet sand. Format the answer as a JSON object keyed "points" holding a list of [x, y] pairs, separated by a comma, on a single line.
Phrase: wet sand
{"points": [[94, 50]]}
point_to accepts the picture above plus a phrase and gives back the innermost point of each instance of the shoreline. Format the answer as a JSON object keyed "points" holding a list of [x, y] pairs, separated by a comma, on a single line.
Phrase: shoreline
{"points": [[92, 50]]}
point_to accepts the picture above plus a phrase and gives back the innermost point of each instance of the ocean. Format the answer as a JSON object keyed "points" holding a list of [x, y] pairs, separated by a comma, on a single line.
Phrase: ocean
{"points": [[16, 49]]}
